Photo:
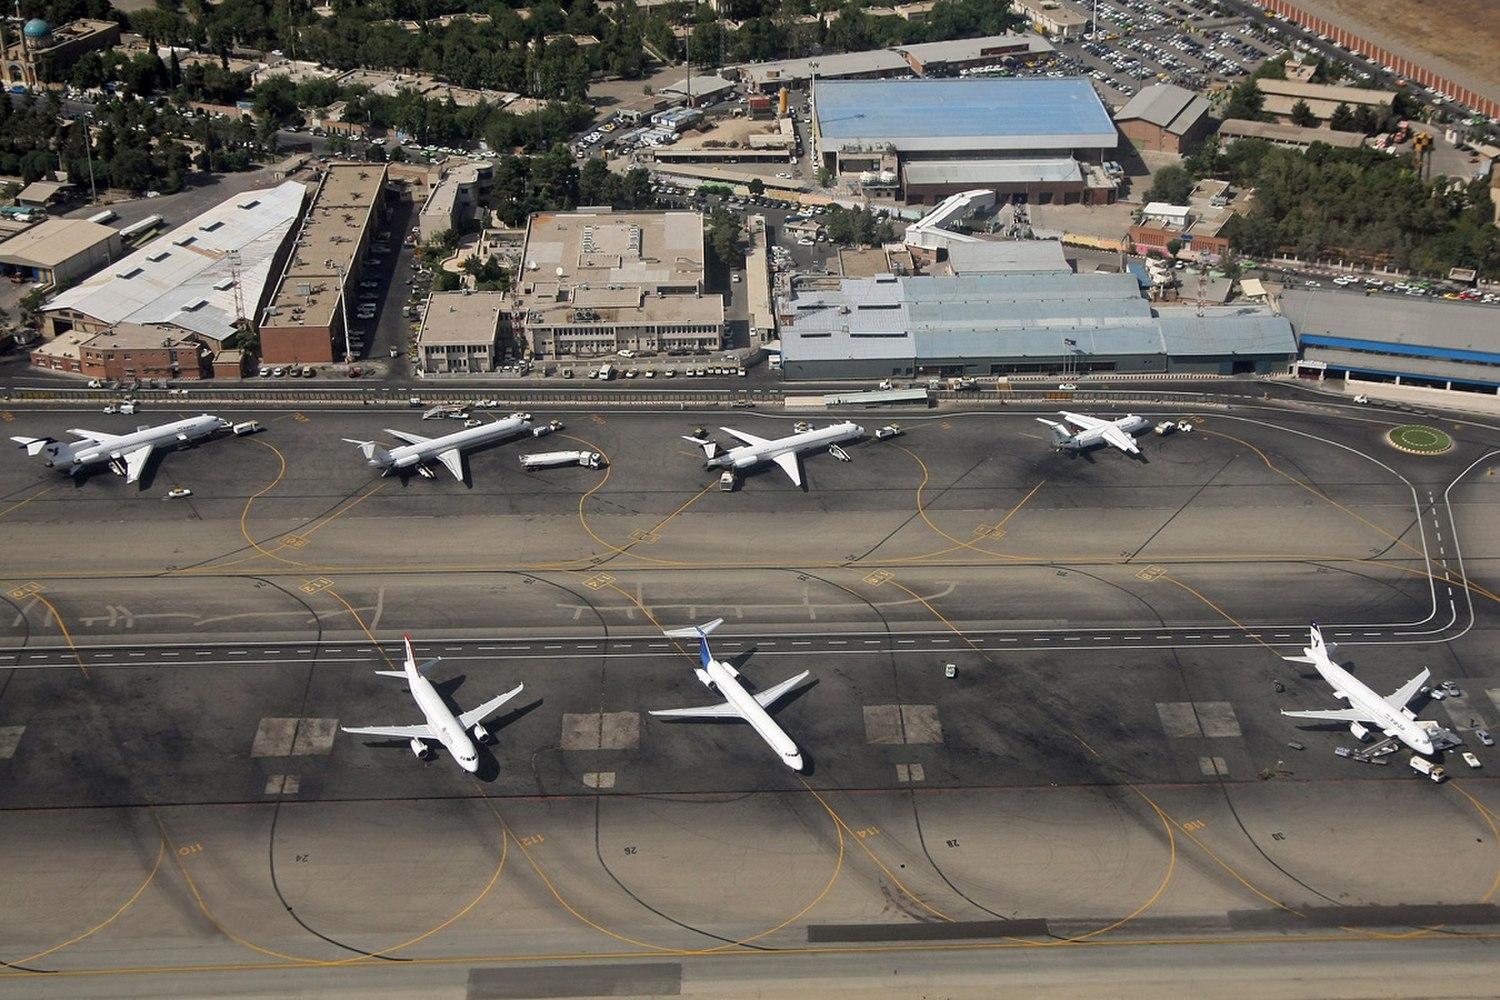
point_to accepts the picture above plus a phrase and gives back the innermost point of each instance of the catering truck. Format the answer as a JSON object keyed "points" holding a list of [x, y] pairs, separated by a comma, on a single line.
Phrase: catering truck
{"points": [[548, 459]]}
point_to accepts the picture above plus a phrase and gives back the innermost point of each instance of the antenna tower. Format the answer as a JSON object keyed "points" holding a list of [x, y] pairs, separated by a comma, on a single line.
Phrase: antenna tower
{"points": [[239, 293]]}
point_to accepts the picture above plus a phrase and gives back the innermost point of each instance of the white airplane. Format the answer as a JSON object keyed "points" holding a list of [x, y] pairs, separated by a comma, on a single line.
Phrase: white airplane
{"points": [[126, 454], [1366, 708], [738, 703], [782, 451], [441, 725], [447, 449], [1093, 431]]}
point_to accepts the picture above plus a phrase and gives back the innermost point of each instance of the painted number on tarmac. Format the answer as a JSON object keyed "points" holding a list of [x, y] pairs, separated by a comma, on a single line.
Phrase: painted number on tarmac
{"points": [[869, 831], [533, 840], [189, 849], [630, 850], [1196, 824], [953, 842]]}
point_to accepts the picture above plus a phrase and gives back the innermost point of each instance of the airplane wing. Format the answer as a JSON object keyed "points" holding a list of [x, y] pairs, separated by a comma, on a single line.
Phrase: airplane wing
{"points": [[407, 437], [98, 436], [1408, 691], [723, 710], [1332, 715], [469, 718], [1120, 439], [771, 695], [790, 465], [744, 438], [394, 732], [135, 462], [454, 461], [1082, 420]]}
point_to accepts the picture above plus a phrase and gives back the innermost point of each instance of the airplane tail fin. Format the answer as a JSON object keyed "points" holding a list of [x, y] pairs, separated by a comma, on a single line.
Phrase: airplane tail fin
{"points": [[411, 660], [33, 445], [374, 453], [699, 632], [710, 448], [1062, 437], [1317, 650]]}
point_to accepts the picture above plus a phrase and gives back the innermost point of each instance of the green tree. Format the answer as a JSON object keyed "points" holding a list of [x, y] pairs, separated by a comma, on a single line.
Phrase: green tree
{"points": [[1246, 102], [1171, 184], [1302, 115], [1342, 119]]}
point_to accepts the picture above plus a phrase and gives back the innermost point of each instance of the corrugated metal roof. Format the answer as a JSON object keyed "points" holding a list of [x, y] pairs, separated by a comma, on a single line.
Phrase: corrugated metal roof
{"points": [[50, 243], [999, 113], [1429, 326], [1012, 315], [156, 284]]}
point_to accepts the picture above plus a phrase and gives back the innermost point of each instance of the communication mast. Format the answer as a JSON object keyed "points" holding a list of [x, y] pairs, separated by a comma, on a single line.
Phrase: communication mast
{"points": [[1202, 282], [239, 293]]}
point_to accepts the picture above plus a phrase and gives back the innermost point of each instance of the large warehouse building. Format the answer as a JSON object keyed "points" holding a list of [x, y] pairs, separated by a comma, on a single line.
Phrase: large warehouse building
{"points": [[58, 251], [1016, 322], [1038, 139], [198, 282]]}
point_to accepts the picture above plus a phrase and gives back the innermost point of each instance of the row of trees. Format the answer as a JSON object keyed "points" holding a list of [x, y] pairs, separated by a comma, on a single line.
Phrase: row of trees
{"points": [[135, 146], [1357, 204]]}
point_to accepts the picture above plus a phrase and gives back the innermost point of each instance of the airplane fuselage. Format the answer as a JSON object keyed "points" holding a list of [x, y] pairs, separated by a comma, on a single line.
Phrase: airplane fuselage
{"points": [[746, 455], [408, 455], [76, 453], [1095, 436], [728, 685], [1395, 721], [445, 726]]}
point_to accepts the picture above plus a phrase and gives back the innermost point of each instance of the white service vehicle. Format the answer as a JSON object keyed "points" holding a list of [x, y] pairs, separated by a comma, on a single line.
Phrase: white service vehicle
{"points": [[551, 459]]}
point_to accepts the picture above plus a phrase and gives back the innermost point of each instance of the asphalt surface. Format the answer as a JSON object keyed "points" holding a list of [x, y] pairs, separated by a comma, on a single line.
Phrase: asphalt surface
{"points": [[1107, 767]]}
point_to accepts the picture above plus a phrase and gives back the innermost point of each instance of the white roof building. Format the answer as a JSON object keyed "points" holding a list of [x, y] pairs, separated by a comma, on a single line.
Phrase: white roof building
{"points": [[187, 278]]}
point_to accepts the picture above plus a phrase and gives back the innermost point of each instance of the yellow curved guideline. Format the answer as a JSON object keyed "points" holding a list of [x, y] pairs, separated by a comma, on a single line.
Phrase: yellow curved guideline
{"points": [[878, 863], [161, 852]]}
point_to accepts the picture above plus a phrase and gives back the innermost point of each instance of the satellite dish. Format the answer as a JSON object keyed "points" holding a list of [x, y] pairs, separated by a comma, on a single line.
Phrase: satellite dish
{"points": [[559, 272]]}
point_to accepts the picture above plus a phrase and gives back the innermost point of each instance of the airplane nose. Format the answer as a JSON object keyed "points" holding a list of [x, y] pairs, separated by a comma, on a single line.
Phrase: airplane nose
{"points": [[470, 764], [794, 761]]}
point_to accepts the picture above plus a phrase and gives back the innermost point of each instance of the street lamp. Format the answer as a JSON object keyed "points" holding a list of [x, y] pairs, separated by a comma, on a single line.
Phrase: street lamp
{"points": [[343, 306]]}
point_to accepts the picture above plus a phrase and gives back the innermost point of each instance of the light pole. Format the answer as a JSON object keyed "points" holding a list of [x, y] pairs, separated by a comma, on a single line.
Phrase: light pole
{"points": [[343, 306]]}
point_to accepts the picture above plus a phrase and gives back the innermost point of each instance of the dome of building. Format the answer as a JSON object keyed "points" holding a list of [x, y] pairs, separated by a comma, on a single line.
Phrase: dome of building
{"points": [[37, 29]]}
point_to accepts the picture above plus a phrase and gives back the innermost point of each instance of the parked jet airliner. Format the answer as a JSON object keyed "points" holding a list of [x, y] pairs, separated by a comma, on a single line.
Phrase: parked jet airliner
{"points": [[782, 451], [441, 725], [447, 449], [127, 454], [738, 703], [1389, 715], [1094, 431]]}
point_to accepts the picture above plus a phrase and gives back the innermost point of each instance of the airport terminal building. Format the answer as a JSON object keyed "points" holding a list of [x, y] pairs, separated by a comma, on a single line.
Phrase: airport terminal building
{"points": [[1039, 139], [1395, 340], [1016, 323]]}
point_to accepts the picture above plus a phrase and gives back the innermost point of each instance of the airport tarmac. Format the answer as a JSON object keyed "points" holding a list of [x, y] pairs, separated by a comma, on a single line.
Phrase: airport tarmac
{"points": [[1107, 768]]}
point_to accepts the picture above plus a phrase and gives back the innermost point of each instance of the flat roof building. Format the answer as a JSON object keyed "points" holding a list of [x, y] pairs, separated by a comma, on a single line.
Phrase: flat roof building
{"points": [[459, 331], [307, 312], [596, 281], [191, 281], [58, 251], [917, 59], [460, 197]]}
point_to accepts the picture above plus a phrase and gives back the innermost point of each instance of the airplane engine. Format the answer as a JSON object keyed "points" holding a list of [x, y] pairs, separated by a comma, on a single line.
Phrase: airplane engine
{"points": [[708, 681], [745, 461], [419, 748], [1360, 732], [481, 734]]}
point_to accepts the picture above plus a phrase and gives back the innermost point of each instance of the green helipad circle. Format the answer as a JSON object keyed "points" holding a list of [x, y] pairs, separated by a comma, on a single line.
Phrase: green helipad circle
{"points": [[1418, 440]]}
